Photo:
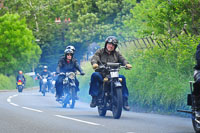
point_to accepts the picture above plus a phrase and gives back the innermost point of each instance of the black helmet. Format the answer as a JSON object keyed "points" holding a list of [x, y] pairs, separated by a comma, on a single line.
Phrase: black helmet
{"points": [[71, 47], [111, 39]]}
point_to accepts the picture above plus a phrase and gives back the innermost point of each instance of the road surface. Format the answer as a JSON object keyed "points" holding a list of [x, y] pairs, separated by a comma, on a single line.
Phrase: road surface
{"points": [[30, 112]]}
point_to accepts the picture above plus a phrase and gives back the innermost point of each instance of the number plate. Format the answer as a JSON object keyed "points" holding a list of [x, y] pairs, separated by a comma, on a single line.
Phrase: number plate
{"points": [[19, 83], [114, 74], [44, 80]]}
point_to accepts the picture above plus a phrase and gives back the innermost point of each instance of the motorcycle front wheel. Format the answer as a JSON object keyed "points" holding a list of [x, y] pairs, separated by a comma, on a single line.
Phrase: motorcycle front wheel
{"points": [[195, 123], [73, 98], [117, 103], [43, 90]]}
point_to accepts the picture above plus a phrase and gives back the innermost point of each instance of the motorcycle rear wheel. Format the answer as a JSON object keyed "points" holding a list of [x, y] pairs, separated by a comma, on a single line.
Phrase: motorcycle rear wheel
{"points": [[117, 103]]}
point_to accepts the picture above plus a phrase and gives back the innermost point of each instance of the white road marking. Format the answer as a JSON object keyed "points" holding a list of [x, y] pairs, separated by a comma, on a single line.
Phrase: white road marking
{"points": [[87, 122], [36, 110], [8, 100], [14, 104]]}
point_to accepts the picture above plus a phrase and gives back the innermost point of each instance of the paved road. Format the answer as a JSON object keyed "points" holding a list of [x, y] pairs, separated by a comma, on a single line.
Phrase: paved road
{"points": [[30, 112]]}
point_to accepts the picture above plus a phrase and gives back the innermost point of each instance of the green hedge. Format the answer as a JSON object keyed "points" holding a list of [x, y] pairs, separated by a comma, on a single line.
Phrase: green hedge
{"points": [[9, 82]]}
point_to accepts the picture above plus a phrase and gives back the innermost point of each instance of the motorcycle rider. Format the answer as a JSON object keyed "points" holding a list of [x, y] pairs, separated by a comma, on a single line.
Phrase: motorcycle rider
{"points": [[21, 76], [44, 72], [66, 64], [196, 85], [101, 57]]}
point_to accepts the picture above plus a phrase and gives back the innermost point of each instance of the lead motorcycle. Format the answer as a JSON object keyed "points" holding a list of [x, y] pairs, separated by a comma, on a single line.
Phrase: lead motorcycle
{"points": [[110, 96], [195, 112], [69, 90]]}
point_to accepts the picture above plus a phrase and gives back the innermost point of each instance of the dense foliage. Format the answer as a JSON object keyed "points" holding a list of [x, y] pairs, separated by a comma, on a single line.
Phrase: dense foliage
{"points": [[17, 49]]}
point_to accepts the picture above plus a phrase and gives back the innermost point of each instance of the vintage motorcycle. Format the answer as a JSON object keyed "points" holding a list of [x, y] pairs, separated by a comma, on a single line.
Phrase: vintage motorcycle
{"points": [[20, 85], [69, 90], [110, 96], [44, 80], [195, 112]]}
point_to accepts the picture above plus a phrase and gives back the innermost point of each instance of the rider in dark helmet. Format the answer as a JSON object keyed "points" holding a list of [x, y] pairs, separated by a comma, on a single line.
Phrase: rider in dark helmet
{"points": [[102, 56], [196, 85], [66, 64]]}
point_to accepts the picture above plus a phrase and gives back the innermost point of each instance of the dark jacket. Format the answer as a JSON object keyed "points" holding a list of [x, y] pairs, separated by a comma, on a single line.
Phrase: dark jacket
{"points": [[21, 76], [102, 57], [64, 66], [197, 66]]}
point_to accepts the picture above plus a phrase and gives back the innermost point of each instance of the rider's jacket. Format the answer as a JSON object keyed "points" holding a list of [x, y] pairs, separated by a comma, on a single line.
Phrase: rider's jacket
{"points": [[68, 66], [102, 57], [197, 66], [21, 76]]}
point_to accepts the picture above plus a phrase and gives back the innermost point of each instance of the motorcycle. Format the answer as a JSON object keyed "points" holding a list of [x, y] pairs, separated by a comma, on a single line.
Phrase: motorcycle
{"points": [[20, 85], [110, 96], [44, 80], [69, 90], [195, 112]]}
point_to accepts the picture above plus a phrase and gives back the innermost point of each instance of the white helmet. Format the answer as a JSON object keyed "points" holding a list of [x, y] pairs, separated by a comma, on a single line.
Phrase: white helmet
{"points": [[71, 47]]}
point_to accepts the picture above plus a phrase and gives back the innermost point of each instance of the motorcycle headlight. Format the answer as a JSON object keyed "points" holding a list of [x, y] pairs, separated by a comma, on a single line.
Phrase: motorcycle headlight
{"points": [[72, 75]]}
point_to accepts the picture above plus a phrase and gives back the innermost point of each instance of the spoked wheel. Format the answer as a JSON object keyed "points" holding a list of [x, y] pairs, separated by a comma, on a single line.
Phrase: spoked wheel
{"points": [[73, 98], [196, 123], [117, 103], [43, 90]]}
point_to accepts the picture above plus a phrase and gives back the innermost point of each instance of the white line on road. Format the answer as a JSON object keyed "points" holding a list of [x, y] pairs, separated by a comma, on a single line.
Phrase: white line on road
{"points": [[36, 110], [14, 104], [8, 100], [87, 122]]}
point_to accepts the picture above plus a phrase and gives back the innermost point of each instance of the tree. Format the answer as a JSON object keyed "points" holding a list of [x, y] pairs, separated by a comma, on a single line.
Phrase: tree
{"points": [[18, 51]]}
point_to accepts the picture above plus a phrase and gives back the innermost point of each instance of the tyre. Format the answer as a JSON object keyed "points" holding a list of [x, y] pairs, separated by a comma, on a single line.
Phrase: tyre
{"points": [[102, 111], [195, 124], [117, 103], [20, 88], [43, 90], [73, 99]]}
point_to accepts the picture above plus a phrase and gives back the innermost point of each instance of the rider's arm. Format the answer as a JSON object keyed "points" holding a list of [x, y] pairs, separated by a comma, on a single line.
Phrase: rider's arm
{"points": [[122, 60], [59, 66], [78, 66], [96, 57]]}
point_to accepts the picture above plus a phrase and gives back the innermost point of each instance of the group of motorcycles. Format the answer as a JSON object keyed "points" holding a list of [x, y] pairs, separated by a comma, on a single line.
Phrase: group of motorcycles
{"points": [[109, 98]]}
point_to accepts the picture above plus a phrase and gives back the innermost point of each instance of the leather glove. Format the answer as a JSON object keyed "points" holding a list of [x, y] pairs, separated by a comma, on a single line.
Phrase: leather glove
{"points": [[128, 66], [95, 66], [82, 73]]}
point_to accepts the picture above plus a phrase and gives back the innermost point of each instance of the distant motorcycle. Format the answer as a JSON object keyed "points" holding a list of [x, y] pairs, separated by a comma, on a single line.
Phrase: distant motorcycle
{"points": [[110, 96], [44, 79], [20, 85], [194, 111], [69, 90]]}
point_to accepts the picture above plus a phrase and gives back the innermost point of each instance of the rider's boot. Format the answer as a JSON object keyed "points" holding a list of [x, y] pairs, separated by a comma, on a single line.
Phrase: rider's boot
{"points": [[93, 103], [125, 104]]}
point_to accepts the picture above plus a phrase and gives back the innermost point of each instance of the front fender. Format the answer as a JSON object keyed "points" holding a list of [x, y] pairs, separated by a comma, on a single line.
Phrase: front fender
{"points": [[117, 84]]}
